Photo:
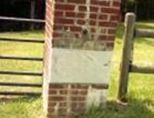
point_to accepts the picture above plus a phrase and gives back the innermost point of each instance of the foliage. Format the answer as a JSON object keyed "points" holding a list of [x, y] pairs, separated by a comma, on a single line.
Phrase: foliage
{"points": [[142, 8], [22, 9]]}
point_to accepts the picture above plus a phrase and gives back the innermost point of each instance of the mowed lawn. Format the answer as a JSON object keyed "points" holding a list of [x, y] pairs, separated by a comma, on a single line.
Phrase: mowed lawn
{"points": [[140, 92], [21, 107]]}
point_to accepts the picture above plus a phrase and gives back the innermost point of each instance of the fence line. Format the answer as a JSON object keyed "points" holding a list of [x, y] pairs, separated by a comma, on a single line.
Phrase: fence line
{"points": [[141, 69], [10, 57], [20, 84], [26, 73], [127, 55], [16, 19], [20, 93], [144, 33], [21, 40], [24, 58]]}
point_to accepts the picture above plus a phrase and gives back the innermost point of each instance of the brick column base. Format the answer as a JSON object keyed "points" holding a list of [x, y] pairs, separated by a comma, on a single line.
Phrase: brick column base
{"points": [[69, 100]]}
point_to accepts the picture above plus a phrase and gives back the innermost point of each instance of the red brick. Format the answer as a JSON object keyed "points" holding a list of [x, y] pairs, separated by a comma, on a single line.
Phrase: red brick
{"points": [[93, 30], [79, 86], [57, 86], [105, 86], [92, 22], [50, 109], [111, 31], [110, 44], [57, 27], [100, 2], [103, 17], [63, 92], [66, 27], [70, 14], [111, 38], [75, 28], [81, 22], [94, 9], [64, 21], [80, 15], [107, 24], [78, 105], [57, 98], [62, 104], [78, 98], [110, 10], [56, 34], [102, 37], [77, 34], [52, 104], [77, 1], [79, 92], [93, 16], [51, 115], [64, 7], [52, 91], [58, 13], [82, 8], [60, 1], [116, 4], [62, 111], [114, 17]]}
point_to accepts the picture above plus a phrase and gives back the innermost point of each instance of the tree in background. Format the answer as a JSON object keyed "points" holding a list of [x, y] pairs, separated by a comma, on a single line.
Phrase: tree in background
{"points": [[20, 8], [144, 9]]}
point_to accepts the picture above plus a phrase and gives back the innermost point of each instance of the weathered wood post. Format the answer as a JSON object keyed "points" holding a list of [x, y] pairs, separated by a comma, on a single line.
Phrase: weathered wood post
{"points": [[32, 11], [126, 55]]}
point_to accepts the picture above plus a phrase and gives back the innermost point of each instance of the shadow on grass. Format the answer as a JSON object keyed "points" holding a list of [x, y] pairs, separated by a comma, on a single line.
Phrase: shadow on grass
{"points": [[8, 99], [145, 25], [147, 41], [29, 106], [135, 109], [21, 107], [138, 40]]}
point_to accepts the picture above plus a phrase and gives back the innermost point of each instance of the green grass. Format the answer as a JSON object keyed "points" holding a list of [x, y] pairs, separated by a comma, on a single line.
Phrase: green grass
{"points": [[140, 92], [21, 108], [26, 107]]}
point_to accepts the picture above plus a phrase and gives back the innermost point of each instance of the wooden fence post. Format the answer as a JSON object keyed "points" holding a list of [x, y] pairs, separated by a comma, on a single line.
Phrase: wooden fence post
{"points": [[126, 55], [32, 12]]}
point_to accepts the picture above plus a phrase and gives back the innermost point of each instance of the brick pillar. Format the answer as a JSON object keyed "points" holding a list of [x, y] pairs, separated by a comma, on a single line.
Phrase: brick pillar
{"points": [[75, 17]]}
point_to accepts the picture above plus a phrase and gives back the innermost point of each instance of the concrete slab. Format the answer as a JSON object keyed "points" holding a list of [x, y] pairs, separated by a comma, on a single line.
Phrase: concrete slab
{"points": [[80, 66]]}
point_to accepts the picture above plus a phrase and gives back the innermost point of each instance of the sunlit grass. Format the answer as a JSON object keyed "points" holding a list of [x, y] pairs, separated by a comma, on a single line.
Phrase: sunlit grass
{"points": [[140, 92]]}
